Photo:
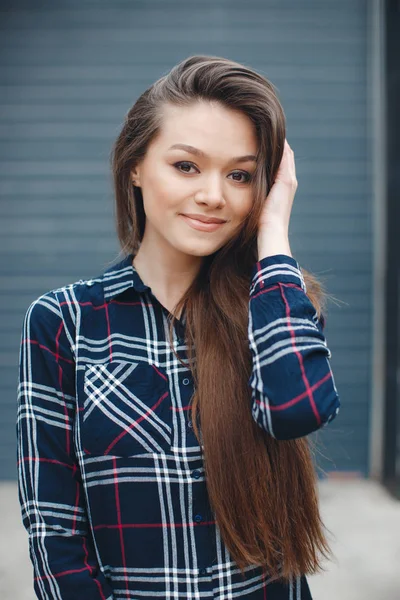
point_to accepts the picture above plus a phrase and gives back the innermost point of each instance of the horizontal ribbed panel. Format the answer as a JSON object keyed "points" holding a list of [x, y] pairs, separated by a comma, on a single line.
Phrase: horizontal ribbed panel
{"points": [[69, 72]]}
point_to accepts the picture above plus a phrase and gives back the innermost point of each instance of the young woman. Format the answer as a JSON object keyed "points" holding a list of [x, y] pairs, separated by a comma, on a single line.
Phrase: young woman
{"points": [[164, 406]]}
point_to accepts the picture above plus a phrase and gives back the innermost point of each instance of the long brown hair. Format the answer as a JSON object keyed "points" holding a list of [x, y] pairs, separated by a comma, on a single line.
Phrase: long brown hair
{"points": [[263, 491]]}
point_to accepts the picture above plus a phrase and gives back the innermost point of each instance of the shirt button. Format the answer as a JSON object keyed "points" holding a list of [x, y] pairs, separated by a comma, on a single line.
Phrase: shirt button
{"points": [[203, 571], [196, 474], [186, 381], [198, 518]]}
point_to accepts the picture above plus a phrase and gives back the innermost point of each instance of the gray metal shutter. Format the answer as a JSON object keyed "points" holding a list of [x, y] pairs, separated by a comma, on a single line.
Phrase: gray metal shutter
{"points": [[69, 73]]}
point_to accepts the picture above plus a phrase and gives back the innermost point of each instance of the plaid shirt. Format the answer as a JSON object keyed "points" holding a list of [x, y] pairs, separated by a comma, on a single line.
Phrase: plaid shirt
{"points": [[110, 474]]}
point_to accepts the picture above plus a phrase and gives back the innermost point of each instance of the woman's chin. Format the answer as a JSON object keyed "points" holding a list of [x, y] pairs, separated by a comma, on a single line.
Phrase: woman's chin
{"points": [[201, 250]]}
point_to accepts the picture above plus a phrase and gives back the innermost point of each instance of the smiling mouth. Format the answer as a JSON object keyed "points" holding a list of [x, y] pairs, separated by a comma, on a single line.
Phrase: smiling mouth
{"points": [[201, 225]]}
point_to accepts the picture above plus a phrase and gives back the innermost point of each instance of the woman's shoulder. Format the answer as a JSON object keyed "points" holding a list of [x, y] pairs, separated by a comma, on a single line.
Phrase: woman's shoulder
{"points": [[75, 292], [86, 289], [80, 296]]}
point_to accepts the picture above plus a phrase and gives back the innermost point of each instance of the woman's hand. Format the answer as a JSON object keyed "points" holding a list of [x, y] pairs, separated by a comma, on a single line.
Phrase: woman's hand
{"points": [[273, 229]]}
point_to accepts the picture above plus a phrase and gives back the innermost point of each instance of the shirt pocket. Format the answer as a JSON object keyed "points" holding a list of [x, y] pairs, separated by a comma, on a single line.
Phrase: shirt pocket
{"points": [[127, 409]]}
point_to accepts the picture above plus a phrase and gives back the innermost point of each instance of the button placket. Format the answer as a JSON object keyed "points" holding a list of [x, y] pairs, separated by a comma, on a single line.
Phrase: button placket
{"points": [[199, 518]]}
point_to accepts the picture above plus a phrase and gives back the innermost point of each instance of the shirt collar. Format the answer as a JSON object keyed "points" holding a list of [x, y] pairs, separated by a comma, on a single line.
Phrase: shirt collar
{"points": [[120, 277]]}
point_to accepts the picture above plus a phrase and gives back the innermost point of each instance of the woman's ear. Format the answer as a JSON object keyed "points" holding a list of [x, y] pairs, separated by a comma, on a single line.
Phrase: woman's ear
{"points": [[135, 176]]}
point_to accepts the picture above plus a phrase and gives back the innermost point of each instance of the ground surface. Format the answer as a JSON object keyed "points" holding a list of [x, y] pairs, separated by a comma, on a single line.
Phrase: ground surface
{"points": [[363, 518]]}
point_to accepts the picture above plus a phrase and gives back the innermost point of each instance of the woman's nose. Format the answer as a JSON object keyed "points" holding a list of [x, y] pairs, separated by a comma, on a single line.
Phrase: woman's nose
{"points": [[211, 194]]}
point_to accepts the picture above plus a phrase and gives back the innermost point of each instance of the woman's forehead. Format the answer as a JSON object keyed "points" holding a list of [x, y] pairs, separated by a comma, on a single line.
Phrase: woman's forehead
{"points": [[209, 129]]}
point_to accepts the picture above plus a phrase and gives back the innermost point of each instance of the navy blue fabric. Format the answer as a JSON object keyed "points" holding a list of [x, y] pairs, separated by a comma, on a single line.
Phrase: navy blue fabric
{"points": [[111, 477]]}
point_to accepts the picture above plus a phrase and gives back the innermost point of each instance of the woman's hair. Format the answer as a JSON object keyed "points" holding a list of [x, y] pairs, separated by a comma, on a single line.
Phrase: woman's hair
{"points": [[263, 491]]}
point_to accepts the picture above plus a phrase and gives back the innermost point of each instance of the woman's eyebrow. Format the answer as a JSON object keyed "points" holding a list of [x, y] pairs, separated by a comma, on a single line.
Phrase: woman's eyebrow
{"points": [[197, 152]]}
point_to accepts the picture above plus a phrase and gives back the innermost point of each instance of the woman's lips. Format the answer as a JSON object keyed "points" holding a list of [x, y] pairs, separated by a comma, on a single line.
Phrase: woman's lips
{"points": [[200, 225]]}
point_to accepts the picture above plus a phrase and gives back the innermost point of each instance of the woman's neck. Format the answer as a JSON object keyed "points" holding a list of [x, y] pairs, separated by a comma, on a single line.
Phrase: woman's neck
{"points": [[168, 272]]}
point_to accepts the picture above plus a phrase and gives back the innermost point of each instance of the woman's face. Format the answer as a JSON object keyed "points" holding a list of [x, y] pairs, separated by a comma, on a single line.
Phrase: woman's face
{"points": [[211, 176]]}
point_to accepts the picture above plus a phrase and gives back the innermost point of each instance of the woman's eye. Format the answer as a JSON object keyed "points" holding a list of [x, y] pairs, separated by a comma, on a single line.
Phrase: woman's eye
{"points": [[183, 164], [242, 174], [185, 167]]}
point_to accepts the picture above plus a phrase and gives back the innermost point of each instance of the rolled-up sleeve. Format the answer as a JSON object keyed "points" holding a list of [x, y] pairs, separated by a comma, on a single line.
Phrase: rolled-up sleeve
{"points": [[49, 481], [293, 391]]}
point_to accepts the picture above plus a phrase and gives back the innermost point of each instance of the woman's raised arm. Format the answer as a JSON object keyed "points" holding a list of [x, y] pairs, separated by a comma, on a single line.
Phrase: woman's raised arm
{"points": [[293, 389]]}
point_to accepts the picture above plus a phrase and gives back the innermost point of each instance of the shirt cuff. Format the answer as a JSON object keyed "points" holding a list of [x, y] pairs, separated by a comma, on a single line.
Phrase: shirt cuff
{"points": [[279, 268]]}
